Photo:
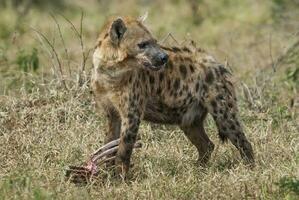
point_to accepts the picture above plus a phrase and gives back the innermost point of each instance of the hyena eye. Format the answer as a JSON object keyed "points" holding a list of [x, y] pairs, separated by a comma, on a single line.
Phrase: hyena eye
{"points": [[143, 45]]}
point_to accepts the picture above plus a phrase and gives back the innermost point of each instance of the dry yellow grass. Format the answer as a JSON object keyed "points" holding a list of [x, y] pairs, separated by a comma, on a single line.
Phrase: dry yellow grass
{"points": [[44, 128]]}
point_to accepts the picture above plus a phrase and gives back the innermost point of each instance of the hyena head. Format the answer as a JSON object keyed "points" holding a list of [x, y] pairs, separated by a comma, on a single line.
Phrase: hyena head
{"points": [[127, 38]]}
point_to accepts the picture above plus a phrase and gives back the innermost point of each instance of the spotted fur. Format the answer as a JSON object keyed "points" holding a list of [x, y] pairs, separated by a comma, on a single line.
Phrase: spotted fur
{"points": [[191, 85]]}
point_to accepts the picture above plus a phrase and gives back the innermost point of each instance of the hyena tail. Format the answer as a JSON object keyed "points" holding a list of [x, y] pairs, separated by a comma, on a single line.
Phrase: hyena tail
{"points": [[222, 106]]}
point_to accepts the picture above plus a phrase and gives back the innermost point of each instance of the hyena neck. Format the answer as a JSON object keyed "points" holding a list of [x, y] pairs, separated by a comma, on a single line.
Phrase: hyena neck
{"points": [[116, 75]]}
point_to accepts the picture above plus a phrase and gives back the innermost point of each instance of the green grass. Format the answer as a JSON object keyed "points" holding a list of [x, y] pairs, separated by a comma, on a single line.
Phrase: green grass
{"points": [[44, 128]]}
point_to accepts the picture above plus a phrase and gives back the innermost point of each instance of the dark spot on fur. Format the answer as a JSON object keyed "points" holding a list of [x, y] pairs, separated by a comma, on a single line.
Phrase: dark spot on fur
{"points": [[191, 68], [230, 105], [175, 94], [134, 97], [181, 93], [224, 128], [106, 35], [219, 97], [176, 49], [209, 77], [166, 48], [152, 79], [185, 101], [161, 77], [168, 84], [222, 136], [205, 87], [160, 109], [99, 43], [183, 71], [234, 116], [197, 86], [169, 64], [225, 115], [159, 91], [130, 116], [233, 127], [214, 104], [130, 79], [186, 49], [143, 77], [176, 84], [200, 50], [129, 138]]}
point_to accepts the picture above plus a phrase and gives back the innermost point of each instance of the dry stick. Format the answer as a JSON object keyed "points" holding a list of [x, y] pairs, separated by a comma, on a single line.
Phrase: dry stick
{"points": [[166, 38], [63, 43], [50, 54], [248, 96], [56, 56], [270, 50], [80, 36]]}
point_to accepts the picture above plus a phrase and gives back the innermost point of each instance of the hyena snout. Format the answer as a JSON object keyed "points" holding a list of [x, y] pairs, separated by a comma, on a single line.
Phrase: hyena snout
{"points": [[156, 57], [161, 59]]}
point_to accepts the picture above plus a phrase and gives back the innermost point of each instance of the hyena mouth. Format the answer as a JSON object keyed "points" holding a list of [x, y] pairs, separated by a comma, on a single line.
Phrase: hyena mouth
{"points": [[150, 66]]}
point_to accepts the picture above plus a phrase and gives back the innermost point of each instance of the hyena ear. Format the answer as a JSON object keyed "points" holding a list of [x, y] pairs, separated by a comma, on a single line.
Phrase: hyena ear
{"points": [[117, 31]]}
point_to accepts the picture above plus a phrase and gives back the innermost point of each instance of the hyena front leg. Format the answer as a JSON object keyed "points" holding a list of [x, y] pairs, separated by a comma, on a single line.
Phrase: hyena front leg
{"points": [[113, 128], [114, 124], [130, 120]]}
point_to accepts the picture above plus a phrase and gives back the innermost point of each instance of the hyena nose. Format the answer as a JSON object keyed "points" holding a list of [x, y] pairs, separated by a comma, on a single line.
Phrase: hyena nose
{"points": [[164, 58]]}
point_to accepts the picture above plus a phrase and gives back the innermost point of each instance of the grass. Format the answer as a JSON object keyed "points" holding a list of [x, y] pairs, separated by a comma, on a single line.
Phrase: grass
{"points": [[44, 127]]}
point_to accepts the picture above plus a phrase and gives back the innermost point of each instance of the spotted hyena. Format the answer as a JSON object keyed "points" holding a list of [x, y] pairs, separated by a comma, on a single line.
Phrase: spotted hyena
{"points": [[135, 78]]}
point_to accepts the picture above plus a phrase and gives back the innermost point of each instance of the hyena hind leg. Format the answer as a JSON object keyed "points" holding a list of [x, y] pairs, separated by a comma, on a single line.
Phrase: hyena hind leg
{"points": [[198, 137], [229, 127]]}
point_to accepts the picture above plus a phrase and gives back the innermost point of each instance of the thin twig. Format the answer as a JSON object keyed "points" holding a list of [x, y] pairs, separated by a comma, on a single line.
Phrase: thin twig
{"points": [[55, 54], [80, 36], [63, 43], [166, 38], [270, 50], [50, 55]]}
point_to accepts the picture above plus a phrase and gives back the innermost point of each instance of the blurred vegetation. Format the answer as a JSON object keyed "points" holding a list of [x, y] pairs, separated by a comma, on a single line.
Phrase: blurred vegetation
{"points": [[289, 185], [281, 8], [28, 62], [24, 6]]}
